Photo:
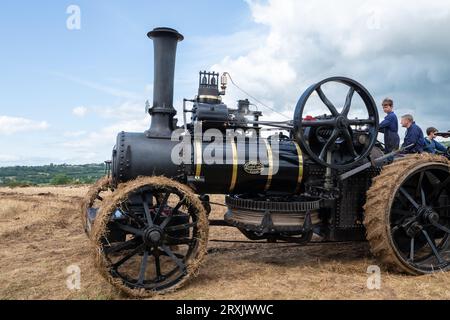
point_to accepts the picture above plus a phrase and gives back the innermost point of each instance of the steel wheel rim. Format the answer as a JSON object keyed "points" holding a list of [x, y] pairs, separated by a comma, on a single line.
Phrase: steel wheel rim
{"points": [[410, 219], [144, 250]]}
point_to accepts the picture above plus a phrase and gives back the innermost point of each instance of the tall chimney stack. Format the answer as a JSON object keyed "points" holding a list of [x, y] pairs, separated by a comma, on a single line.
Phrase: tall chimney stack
{"points": [[165, 44]]}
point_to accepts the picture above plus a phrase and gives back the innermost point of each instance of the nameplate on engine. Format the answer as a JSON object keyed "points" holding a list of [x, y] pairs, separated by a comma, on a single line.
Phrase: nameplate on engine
{"points": [[253, 167]]}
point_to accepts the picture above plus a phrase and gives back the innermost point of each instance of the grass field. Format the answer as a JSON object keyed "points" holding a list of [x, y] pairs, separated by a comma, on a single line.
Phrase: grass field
{"points": [[41, 235]]}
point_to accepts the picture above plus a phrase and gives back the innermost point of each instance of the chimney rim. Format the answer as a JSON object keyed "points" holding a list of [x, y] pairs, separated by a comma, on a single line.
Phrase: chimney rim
{"points": [[160, 31]]}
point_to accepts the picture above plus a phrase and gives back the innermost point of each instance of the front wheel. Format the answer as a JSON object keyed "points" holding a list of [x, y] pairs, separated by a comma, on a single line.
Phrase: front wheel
{"points": [[407, 214], [150, 236]]}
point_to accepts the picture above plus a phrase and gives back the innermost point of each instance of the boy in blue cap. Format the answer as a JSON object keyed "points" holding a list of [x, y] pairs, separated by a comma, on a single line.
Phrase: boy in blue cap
{"points": [[431, 145], [389, 127]]}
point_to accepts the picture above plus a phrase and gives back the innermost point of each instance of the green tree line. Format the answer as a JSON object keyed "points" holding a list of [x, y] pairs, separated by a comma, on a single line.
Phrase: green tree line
{"points": [[51, 174]]}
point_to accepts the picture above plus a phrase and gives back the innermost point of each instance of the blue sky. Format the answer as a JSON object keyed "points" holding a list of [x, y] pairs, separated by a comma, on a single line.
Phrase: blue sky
{"points": [[49, 70], [64, 94]]}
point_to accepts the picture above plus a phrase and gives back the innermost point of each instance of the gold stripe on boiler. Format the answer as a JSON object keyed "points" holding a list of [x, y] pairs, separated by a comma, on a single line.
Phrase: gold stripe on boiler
{"points": [[300, 167], [270, 173], [235, 165]]}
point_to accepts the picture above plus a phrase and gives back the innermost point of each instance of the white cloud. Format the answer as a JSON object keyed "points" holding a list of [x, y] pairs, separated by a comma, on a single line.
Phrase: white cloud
{"points": [[104, 139], [74, 134], [95, 146], [4, 158], [128, 110], [113, 91], [11, 125], [393, 48], [80, 111]]}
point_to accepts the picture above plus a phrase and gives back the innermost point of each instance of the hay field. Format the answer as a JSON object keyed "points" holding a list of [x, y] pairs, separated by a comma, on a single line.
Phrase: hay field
{"points": [[41, 235]]}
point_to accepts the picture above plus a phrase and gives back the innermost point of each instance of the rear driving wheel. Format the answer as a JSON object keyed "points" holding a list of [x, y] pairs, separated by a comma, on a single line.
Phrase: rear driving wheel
{"points": [[408, 214]]}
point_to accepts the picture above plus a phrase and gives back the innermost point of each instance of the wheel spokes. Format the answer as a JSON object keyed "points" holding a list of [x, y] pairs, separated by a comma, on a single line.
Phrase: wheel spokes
{"points": [[128, 257], [162, 205], [143, 268], [130, 229], [327, 102], [174, 212], [433, 246], [130, 244], [181, 227], [441, 227], [423, 198], [424, 232], [348, 102], [349, 140], [151, 219], [411, 250], [408, 196], [177, 261], [134, 250], [133, 216], [329, 143], [399, 221], [438, 189], [419, 189], [157, 266], [148, 216]]}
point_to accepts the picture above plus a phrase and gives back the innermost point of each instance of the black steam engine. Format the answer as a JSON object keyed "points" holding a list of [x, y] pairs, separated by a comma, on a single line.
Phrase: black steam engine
{"points": [[150, 217]]}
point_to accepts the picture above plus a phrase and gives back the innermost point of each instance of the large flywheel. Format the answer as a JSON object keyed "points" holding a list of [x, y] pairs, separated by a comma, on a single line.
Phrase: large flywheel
{"points": [[332, 139]]}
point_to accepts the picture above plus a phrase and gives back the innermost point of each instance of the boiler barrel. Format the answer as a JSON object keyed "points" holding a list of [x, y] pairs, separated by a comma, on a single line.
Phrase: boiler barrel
{"points": [[137, 155], [250, 167]]}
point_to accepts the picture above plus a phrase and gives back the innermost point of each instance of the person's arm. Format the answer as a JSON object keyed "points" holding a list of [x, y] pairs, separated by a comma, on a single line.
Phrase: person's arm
{"points": [[386, 122], [408, 139], [440, 147], [428, 146], [419, 140]]}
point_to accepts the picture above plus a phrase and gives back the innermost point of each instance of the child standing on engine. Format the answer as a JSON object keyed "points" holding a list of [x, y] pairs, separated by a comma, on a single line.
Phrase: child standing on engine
{"points": [[389, 127]]}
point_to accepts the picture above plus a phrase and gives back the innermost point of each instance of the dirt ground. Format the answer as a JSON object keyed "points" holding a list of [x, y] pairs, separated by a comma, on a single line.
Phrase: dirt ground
{"points": [[41, 236]]}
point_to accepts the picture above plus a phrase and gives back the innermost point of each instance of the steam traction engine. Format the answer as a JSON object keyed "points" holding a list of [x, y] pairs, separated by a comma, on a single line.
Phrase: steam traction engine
{"points": [[326, 175]]}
